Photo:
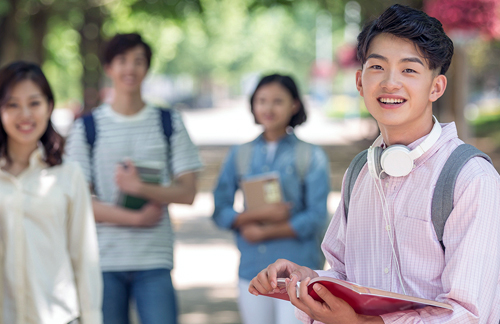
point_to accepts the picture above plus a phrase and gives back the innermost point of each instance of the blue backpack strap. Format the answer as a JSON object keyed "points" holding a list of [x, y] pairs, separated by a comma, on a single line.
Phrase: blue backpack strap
{"points": [[351, 176], [88, 123], [166, 121], [90, 134], [442, 199]]}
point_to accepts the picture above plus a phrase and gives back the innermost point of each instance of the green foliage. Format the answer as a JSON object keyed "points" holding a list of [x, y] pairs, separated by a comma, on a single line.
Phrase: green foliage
{"points": [[63, 66], [223, 40], [216, 40]]}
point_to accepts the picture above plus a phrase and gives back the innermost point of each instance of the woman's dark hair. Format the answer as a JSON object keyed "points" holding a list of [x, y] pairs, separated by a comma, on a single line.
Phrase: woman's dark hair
{"points": [[286, 82], [10, 76], [404, 22], [121, 43]]}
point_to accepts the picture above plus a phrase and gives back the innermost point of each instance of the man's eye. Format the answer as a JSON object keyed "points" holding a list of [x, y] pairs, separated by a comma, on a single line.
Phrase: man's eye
{"points": [[409, 71], [376, 67]]}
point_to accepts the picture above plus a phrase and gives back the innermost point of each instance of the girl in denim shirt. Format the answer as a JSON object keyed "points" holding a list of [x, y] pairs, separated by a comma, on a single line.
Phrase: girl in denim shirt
{"points": [[290, 229]]}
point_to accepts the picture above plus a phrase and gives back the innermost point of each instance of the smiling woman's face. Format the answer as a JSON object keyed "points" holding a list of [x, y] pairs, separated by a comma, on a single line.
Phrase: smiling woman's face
{"points": [[25, 114]]}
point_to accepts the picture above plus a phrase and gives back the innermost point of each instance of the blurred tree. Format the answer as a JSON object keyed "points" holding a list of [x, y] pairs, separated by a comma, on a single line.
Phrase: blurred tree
{"points": [[23, 24]]}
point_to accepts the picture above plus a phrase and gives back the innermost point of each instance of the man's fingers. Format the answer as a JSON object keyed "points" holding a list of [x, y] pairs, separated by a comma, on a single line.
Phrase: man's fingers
{"points": [[326, 295], [272, 275], [299, 301], [263, 279], [255, 288]]}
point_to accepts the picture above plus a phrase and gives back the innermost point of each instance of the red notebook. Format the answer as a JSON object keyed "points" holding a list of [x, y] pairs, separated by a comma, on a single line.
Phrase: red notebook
{"points": [[364, 300]]}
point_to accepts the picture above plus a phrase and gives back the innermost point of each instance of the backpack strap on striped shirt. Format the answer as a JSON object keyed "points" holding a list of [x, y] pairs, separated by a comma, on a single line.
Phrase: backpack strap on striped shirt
{"points": [[91, 135], [442, 199]]}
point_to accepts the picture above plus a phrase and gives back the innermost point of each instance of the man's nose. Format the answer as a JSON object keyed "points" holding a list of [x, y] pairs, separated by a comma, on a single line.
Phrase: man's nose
{"points": [[391, 81]]}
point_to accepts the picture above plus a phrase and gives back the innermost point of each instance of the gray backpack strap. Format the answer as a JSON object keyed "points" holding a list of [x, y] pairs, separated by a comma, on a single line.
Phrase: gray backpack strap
{"points": [[442, 199], [350, 178], [243, 158], [303, 152]]}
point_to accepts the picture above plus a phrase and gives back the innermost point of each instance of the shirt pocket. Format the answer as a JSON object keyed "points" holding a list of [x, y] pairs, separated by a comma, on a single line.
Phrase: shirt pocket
{"points": [[415, 205]]}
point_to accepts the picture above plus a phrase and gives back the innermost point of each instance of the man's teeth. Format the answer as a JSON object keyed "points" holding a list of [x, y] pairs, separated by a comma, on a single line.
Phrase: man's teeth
{"points": [[25, 127], [391, 101]]}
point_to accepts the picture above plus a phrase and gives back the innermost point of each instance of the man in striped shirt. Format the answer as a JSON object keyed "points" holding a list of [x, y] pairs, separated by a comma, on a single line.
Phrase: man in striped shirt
{"points": [[136, 246], [389, 241]]}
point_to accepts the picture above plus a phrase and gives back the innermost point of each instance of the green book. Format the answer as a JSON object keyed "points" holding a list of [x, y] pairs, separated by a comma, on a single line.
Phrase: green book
{"points": [[150, 172]]}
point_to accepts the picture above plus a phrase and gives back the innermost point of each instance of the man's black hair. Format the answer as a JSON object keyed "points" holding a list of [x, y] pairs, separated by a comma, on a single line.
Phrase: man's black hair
{"points": [[404, 22], [121, 43]]}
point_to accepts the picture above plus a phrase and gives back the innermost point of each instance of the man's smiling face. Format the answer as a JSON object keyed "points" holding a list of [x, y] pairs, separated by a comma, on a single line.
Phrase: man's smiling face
{"points": [[397, 85]]}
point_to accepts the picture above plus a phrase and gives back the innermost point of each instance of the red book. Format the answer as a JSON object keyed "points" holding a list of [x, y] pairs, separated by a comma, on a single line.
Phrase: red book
{"points": [[364, 300]]}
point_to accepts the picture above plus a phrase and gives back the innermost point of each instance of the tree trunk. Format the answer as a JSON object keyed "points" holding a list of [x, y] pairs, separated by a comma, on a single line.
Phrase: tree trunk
{"points": [[9, 40], [451, 106], [90, 45], [38, 29]]}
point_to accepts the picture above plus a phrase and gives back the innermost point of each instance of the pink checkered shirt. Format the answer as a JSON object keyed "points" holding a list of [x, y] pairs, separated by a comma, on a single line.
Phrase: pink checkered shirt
{"points": [[467, 276]]}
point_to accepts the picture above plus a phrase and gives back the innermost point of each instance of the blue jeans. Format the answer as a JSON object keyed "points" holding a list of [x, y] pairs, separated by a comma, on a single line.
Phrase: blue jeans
{"points": [[152, 291]]}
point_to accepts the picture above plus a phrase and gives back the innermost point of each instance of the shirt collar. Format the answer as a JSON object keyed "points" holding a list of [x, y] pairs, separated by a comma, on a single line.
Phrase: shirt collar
{"points": [[288, 138], [37, 158], [449, 132]]}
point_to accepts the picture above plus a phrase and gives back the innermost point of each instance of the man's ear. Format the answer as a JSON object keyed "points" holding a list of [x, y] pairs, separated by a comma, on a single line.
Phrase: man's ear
{"points": [[438, 87], [359, 85]]}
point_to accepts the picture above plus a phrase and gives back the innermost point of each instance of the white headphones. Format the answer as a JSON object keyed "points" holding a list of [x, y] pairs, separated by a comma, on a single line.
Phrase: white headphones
{"points": [[397, 160]]}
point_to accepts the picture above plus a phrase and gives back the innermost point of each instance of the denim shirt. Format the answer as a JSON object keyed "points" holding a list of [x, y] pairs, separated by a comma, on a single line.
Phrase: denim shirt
{"points": [[307, 196]]}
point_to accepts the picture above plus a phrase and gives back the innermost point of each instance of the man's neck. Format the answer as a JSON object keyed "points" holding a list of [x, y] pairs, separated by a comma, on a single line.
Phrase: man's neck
{"points": [[127, 103], [406, 134]]}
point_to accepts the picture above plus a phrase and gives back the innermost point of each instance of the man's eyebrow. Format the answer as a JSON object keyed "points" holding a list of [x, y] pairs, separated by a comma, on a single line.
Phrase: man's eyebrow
{"points": [[412, 59], [377, 56]]}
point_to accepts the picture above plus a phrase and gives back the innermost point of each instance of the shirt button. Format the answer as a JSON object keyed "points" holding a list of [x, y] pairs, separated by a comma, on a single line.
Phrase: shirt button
{"points": [[289, 170], [387, 185], [262, 249], [265, 168], [386, 270], [263, 150], [388, 228]]}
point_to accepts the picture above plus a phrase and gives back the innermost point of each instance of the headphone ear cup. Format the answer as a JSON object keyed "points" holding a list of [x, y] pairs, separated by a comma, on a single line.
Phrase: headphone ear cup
{"points": [[396, 161], [374, 165]]}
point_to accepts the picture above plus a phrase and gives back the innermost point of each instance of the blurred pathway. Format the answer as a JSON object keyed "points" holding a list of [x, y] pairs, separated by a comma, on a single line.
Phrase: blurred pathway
{"points": [[232, 123], [206, 264]]}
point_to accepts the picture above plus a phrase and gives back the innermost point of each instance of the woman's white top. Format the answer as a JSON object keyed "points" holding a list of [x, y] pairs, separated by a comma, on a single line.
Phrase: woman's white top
{"points": [[48, 246]]}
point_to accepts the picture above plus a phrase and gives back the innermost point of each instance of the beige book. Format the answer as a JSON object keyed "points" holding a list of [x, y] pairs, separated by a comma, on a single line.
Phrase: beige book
{"points": [[261, 190]]}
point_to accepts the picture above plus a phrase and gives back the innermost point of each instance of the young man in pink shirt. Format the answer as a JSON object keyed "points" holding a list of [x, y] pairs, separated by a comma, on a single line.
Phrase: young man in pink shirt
{"points": [[389, 241]]}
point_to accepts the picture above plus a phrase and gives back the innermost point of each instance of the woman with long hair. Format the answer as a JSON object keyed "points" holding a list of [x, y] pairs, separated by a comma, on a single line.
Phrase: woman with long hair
{"points": [[49, 258]]}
